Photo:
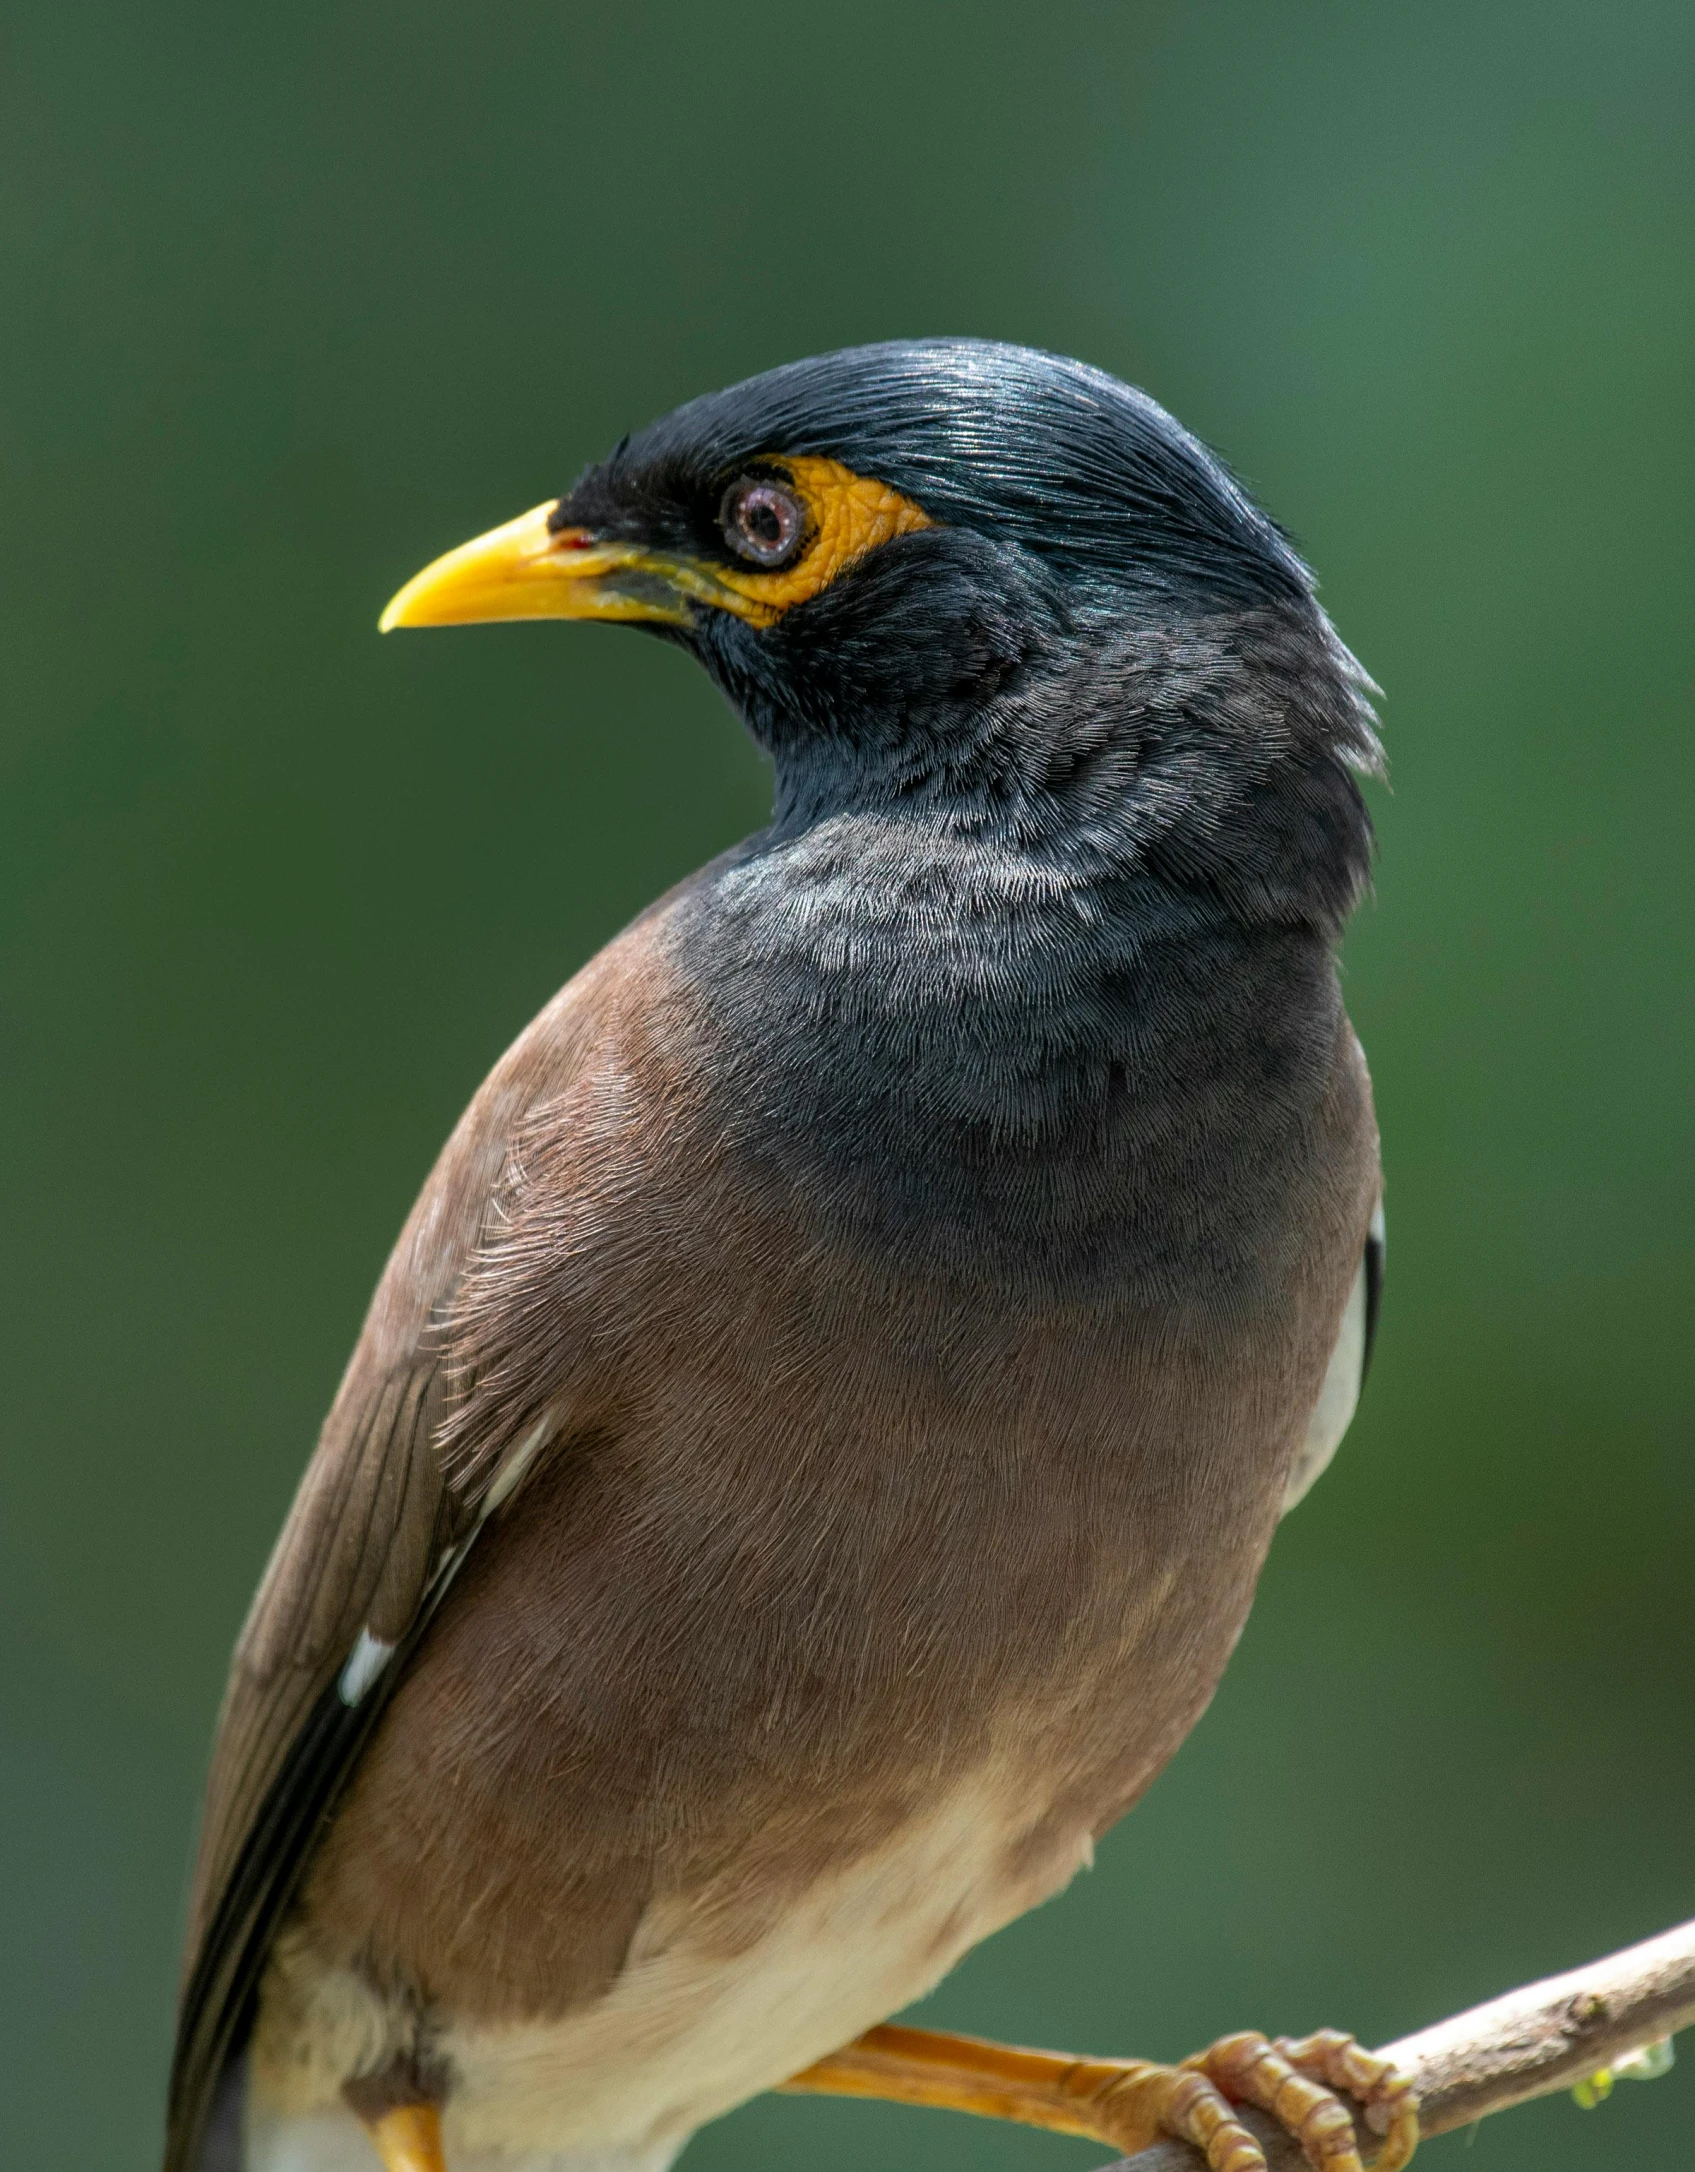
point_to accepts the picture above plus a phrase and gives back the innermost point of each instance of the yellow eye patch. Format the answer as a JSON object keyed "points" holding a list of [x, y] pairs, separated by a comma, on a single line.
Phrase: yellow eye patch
{"points": [[848, 516], [530, 569]]}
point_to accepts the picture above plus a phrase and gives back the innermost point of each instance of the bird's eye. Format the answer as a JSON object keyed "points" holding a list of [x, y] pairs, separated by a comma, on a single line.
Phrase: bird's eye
{"points": [[763, 523]]}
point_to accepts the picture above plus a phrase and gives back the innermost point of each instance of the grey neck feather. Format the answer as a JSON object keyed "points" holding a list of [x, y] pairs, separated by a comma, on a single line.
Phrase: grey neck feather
{"points": [[1082, 958]]}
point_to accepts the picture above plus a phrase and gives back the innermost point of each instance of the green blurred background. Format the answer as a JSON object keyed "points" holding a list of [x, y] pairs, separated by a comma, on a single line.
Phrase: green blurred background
{"points": [[295, 297]]}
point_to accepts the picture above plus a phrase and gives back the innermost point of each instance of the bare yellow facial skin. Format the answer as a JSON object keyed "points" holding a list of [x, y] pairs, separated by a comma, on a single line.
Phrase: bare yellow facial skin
{"points": [[526, 570], [848, 516]]}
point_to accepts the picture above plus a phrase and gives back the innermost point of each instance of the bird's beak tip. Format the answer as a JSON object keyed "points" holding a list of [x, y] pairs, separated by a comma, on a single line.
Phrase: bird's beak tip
{"points": [[522, 570], [397, 611]]}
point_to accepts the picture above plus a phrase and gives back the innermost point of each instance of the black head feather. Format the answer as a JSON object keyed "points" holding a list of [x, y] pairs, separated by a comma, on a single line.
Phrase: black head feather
{"points": [[1034, 449], [1101, 638]]}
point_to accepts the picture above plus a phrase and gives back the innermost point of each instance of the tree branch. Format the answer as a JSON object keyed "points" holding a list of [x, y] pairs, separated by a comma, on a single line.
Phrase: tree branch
{"points": [[1528, 2044]]}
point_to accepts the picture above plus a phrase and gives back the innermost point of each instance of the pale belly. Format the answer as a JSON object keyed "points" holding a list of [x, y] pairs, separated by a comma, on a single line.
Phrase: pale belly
{"points": [[694, 2024]]}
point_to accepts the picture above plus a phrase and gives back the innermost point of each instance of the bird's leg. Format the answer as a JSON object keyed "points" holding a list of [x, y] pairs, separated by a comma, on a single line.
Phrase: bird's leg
{"points": [[1132, 2103], [408, 2138]]}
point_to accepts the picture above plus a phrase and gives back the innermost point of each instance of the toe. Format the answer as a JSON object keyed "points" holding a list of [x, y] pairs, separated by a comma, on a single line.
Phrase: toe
{"points": [[1199, 2112], [1382, 2091], [1252, 2071]]}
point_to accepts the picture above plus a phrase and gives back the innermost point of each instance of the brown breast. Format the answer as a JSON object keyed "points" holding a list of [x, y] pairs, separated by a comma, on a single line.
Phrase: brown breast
{"points": [[810, 1540]]}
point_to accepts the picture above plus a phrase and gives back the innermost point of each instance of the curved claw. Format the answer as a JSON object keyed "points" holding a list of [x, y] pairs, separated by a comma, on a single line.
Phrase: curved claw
{"points": [[1301, 2082], [1252, 2070], [1383, 2092]]}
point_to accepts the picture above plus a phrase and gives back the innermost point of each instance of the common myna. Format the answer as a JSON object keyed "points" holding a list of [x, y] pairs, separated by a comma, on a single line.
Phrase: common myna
{"points": [[810, 1453]]}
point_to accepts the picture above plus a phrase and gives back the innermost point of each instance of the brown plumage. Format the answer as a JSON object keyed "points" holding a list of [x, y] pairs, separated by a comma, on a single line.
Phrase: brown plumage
{"points": [[815, 1439]]}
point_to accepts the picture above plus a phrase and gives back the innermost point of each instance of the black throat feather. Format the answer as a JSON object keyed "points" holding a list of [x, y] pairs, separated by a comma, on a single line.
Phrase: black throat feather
{"points": [[1061, 921]]}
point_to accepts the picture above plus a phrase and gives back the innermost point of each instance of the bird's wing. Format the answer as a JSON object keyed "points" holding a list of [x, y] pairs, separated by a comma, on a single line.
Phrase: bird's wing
{"points": [[1345, 1377], [378, 1527]]}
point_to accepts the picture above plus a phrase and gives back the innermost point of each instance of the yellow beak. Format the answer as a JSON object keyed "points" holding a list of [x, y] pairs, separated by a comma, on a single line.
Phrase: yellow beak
{"points": [[525, 570]]}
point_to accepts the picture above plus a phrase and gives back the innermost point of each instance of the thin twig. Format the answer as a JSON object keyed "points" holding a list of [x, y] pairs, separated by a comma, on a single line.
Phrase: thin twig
{"points": [[1527, 2044]]}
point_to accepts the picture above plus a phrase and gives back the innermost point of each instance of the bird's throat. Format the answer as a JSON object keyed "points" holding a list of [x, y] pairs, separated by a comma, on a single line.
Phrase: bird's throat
{"points": [[956, 1046]]}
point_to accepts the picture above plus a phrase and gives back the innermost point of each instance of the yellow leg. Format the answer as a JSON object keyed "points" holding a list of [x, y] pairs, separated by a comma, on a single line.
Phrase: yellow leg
{"points": [[408, 2139], [1132, 2103]]}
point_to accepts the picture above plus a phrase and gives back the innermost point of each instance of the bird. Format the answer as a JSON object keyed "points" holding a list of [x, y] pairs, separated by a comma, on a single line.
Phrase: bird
{"points": [[810, 1453]]}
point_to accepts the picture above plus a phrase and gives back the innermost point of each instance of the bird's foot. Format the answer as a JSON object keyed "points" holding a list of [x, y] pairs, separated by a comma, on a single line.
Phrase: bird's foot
{"points": [[1302, 2083], [408, 2138], [1133, 2103]]}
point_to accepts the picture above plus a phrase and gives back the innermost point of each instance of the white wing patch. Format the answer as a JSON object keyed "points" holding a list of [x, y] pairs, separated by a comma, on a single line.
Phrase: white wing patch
{"points": [[514, 1469], [364, 1663], [371, 1654], [1339, 1397]]}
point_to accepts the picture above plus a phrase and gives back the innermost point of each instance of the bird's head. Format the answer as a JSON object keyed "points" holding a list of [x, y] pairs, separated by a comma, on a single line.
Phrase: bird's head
{"points": [[946, 564]]}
